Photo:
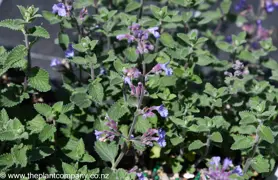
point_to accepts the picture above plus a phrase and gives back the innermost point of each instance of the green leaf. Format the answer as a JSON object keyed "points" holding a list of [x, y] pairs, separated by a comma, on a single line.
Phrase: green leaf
{"points": [[142, 125], [38, 153], [197, 144], [118, 110], [79, 60], [6, 160], [68, 169], [242, 142], [216, 137], [82, 100], [133, 5], [39, 31], [266, 134], [247, 117], [106, 152], [63, 40], [19, 155], [80, 148], [167, 40], [79, 4], [155, 152], [225, 6], [18, 53], [96, 90], [39, 79], [47, 132], [260, 164], [43, 109], [224, 46], [13, 24], [177, 140], [130, 54], [4, 118], [36, 125], [88, 158], [50, 17]]}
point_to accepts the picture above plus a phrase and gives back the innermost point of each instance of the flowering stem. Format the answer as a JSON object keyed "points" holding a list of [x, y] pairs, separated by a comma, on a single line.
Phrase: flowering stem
{"points": [[27, 45]]}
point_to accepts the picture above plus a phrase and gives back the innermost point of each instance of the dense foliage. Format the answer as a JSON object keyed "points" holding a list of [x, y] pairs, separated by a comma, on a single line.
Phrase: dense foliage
{"points": [[145, 85]]}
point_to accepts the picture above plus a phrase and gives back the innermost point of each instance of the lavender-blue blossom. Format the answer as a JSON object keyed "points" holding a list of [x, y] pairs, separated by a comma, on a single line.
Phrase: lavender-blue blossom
{"points": [[59, 9], [69, 53]]}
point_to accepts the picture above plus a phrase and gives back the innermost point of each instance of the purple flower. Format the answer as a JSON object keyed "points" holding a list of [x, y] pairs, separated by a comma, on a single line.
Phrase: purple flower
{"points": [[227, 163], [98, 134], [154, 31], [157, 68], [140, 176], [129, 37], [224, 172], [55, 62], [148, 137], [215, 161], [59, 9], [127, 81], [83, 13], [69, 53], [162, 110], [237, 170], [241, 5], [168, 71], [161, 140], [102, 70], [229, 39], [269, 6], [132, 72]]}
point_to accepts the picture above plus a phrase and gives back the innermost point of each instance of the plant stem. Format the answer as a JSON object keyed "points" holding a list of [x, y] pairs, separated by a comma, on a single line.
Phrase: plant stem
{"points": [[254, 149], [29, 62], [140, 12], [92, 72], [206, 152]]}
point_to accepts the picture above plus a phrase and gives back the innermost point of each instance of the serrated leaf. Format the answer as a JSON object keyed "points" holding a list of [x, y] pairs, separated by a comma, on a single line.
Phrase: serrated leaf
{"points": [[19, 155], [13, 24], [4, 118], [6, 160], [80, 148], [117, 110], [88, 158], [224, 46], [247, 117], [216, 137], [197, 144], [82, 100], [50, 17], [225, 6], [39, 31], [130, 54], [133, 5], [39, 79], [142, 125], [106, 152], [47, 132], [260, 164], [36, 125], [177, 140], [167, 40], [96, 90], [266, 134], [68, 169], [43, 109], [242, 143]]}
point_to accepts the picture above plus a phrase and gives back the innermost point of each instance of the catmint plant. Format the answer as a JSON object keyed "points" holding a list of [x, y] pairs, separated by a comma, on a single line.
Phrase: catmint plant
{"points": [[145, 91]]}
